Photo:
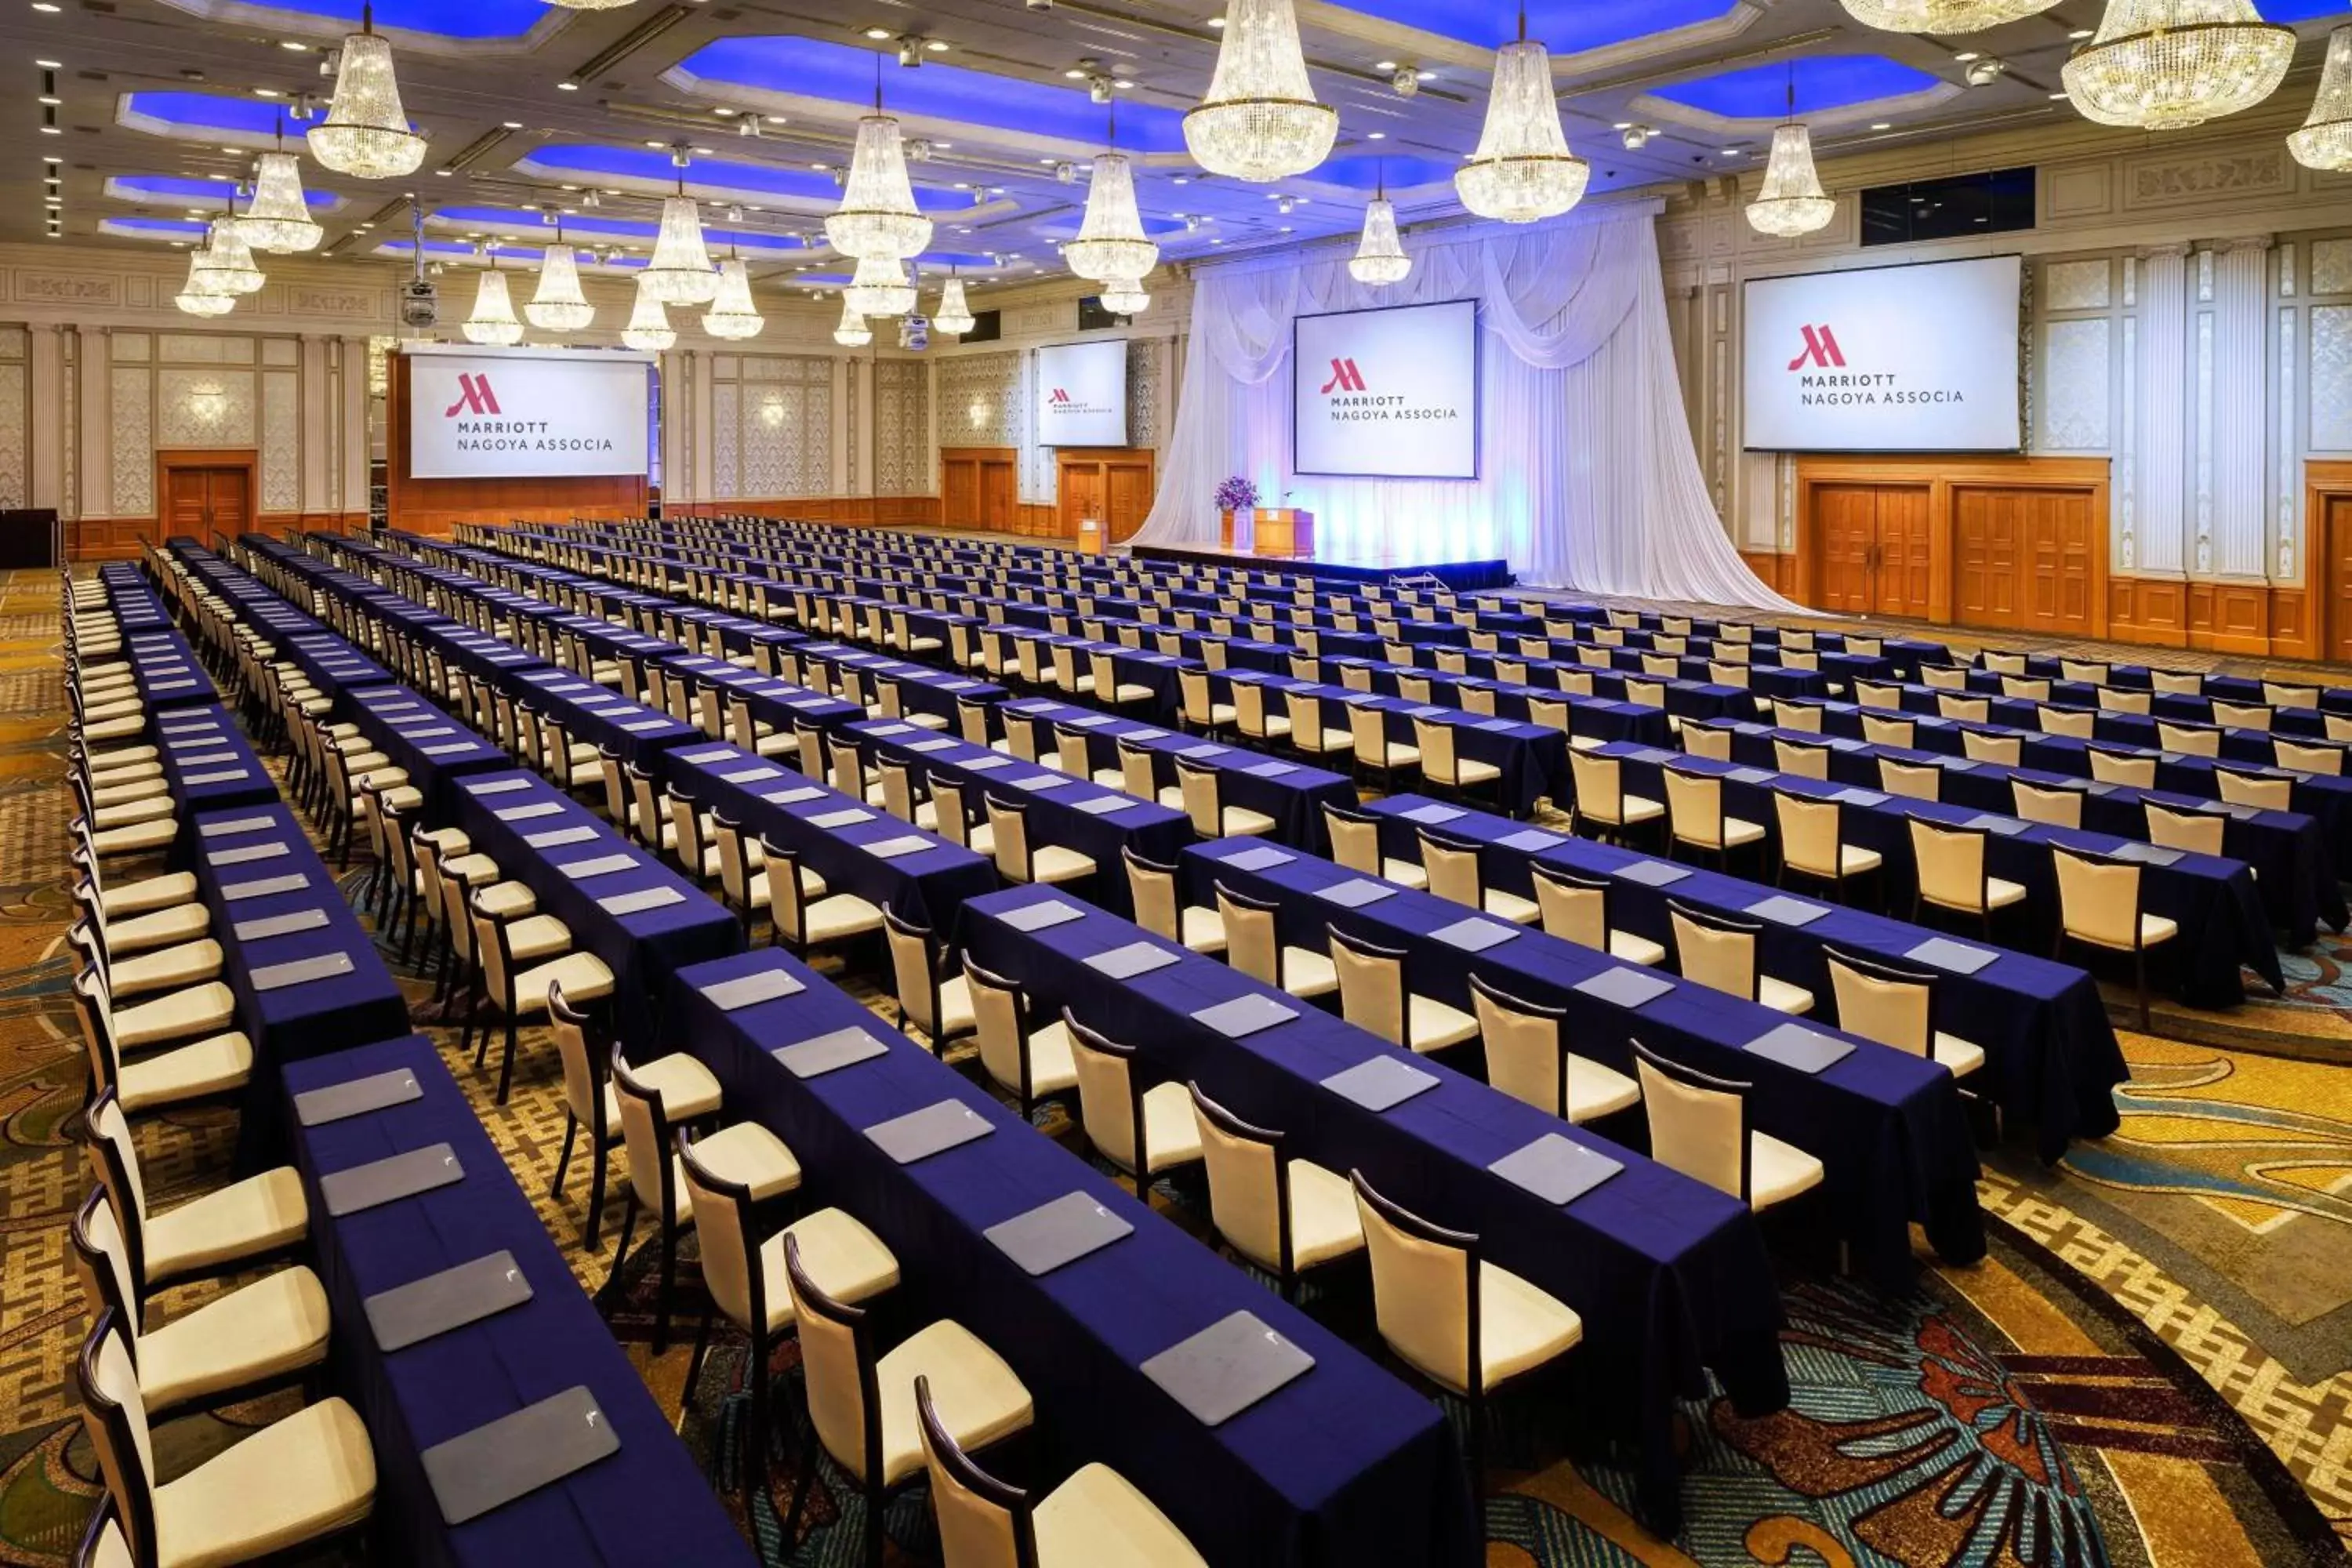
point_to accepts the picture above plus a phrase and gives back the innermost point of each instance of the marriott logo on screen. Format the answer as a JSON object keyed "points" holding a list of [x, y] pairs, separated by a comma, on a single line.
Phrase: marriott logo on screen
{"points": [[1820, 352], [1352, 400], [1060, 401], [477, 433]]}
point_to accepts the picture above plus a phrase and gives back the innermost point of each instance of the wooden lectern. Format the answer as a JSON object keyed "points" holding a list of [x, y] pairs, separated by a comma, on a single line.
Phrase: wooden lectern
{"points": [[1283, 531]]}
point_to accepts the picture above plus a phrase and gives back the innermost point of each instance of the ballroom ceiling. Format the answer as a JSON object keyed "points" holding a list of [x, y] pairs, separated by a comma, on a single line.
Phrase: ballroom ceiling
{"points": [[536, 113]]}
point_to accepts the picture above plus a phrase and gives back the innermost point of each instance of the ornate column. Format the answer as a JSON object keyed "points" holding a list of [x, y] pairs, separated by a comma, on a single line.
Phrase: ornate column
{"points": [[2163, 471], [95, 456], [45, 447], [2233, 504]]}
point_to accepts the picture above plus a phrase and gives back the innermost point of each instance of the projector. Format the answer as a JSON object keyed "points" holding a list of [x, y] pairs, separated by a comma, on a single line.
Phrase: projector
{"points": [[914, 333], [420, 305]]}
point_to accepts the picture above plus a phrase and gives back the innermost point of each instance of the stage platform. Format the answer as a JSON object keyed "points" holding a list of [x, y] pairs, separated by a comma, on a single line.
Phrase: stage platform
{"points": [[1462, 576]]}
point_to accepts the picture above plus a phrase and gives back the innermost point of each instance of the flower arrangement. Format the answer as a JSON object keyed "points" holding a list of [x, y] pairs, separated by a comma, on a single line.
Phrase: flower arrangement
{"points": [[1235, 493]]}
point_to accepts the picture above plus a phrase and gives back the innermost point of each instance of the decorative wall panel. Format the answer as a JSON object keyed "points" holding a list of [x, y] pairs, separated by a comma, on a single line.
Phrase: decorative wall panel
{"points": [[187, 348], [2074, 396], [902, 427], [134, 443], [15, 432], [725, 411], [281, 441], [2076, 285], [2331, 378], [2331, 266], [1145, 361], [771, 426], [980, 400], [204, 408]]}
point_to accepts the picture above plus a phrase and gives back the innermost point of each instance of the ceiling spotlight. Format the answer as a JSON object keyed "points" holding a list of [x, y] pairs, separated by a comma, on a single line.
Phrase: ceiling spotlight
{"points": [[1405, 82], [1964, 56], [296, 45], [1376, 136], [878, 34], [267, 92], [567, 87], [1065, 173], [936, 46], [1384, 65], [748, 125], [1216, 21], [1882, 125], [911, 52], [510, 124], [1986, 71], [1635, 137], [1098, 88]]}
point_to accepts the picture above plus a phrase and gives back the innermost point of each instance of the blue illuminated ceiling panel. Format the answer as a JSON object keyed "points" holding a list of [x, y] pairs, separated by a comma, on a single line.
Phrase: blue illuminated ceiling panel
{"points": [[467, 19], [153, 227], [585, 166], [2297, 10], [211, 112], [168, 190], [586, 229], [1824, 82], [1565, 27], [1363, 172], [845, 74]]}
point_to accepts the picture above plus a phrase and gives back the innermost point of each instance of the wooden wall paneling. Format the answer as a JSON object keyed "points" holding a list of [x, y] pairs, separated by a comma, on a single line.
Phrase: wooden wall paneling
{"points": [[2292, 633], [2229, 616], [2327, 556], [1110, 484]]}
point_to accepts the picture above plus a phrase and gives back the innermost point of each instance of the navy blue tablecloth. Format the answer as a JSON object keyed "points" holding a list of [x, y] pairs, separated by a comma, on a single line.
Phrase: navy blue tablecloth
{"points": [[424, 741], [207, 763], [647, 1504]]}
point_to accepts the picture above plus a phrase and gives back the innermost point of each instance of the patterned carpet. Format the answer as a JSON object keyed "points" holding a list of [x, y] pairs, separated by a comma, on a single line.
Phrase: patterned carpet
{"points": [[2152, 1366]]}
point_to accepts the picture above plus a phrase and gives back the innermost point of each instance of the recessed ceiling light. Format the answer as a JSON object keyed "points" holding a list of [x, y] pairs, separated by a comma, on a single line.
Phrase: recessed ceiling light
{"points": [[1424, 76], [878, 34], [1216, 21], [52, 160], [49, 64], [1964, 56], [567, 87], [267, 92], [2079, 34], [1880, 125], [1732, 151], [1074, 74], [1384, 65], [51, 130], [1181, 180], [295, 45], [44, 7], [2057, 98], [51, 98], [722, 111], [511, 124], [937, 46]]}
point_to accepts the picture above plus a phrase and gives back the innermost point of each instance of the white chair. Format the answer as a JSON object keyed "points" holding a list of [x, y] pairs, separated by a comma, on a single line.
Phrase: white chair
{"points": [[1896, 1007], [301, 1481], [1308, 734], [1527, 1059], [2055, 807], [1576, 909], [1719, 953], [1033, 1065], [2008, 750], [1375, 996], [1949, 873], [936, 1007], [1368, 735], [2122, 768], [1466, 1325], [1696, 817], [1016, 861], [1356, 844], [223, 1231], [1203, 802], [1912, 781], [1457, 874], [2099, 905], [1255, 947], [2197, 832], [1600, 796], [192, 1070], [1160, 907], [1813, 842], [504, 943], [1283, 1214], [1442, 766], [2253, 789], [1698, 1125], [1139, 1133]]}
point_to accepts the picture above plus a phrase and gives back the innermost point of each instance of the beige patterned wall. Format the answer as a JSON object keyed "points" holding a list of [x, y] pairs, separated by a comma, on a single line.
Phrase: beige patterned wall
{"points": [[902, 427], [16, 435], [771, 426]]}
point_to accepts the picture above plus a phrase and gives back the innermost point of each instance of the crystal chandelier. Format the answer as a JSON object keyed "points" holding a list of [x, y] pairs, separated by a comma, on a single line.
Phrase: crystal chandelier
{"points": [[493, 320], [2325, 140], [1379, 260], [1791, 201], [853, 332], [194, 298], [732, 314], [1111, 242], [1941, 17], [1523, 170], [953, 317], [366, 131], [1124, 297], [680, 271], [557, 305], [278, 219], [2166, 65], [592, 5], [879, 287], [1260, 121], [878, 215], [225, 265], [648, 327]]}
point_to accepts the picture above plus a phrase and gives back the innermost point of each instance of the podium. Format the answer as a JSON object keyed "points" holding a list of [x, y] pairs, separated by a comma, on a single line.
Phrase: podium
{"points": [[1283, 531]]}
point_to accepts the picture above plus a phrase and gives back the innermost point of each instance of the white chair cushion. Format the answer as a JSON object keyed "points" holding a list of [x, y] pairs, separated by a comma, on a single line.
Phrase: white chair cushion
{"points": [[184, 965], [1632, 948], [1307, 973], [1324, 1223], [185, 1072], [1596, 1090], [1097, 1520], [198, 1010], [275, 1325], [978, 1398], [1777, 1172], [303, 1476], [688, 1090], [1432, 1026], [848, 1262], [582, 976], [1957, 1054], [1519, 1327], [1053, 863], [136, 933], [259, 1213], [1240, 822], [1203, 930], [1510, 906], [839, 918], [1470, 771], [1171, 1134], [1781, 996]]}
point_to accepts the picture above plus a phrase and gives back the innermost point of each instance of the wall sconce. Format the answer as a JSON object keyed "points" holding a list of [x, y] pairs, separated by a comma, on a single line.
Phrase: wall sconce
{"points": [[208, 403], [772, 411], [978, 414]]}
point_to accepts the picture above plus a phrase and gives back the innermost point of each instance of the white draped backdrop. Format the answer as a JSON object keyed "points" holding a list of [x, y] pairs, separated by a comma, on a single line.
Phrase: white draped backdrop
{"points": [[1588, 480]]}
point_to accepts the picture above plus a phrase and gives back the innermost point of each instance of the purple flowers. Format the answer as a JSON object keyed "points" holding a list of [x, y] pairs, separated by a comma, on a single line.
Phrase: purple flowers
{"points": [[1236, 493]]}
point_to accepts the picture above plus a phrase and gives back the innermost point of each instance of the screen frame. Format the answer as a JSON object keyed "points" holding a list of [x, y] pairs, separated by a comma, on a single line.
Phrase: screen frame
{"points": [[1126, 410], [1477, 396], [2023, 445]]}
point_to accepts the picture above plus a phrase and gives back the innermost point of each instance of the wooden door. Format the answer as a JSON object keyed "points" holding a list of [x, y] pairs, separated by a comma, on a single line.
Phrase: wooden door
{"points": [[1082, 496], [1985, 556], [197, 501], [1905, 567], [1845, 531], [2337, 531], [1130, 500], [997, 510], [2059, 558], [960, 492]]}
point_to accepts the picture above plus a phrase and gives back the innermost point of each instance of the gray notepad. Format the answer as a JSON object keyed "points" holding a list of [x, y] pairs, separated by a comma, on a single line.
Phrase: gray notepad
{"points": [[2144, 854], [1653, 873], [1043, 782], [601, 865], [880, 729], [406, 1314], [499, 787], [2101, 786], [1271, 770], [1061, 1231], [234, 891], [1257, 859], [1992, 822], [642, 725], [936, 744], [751, 775], [336, 1101], [792, 796], [1108, 804], [1957, 957], [531, 813], [300, 971], [383, 1180], [426, 734], [1244, 1015], [1038, 917], [822, 1054], [1529, 841], [1355, 892], [1858, 797], [235, 825], [1127, 962], [988, 763], [1431, 816], [642, 900], [1228, 1367], [556, 838], [708, 754], [1783, 910], [892, 848], [222, 777], [280, 925], [849, 818], [1650, 754], [1556, 1168], [206, 758], [452, 748], [1380, 1083], [1955, 764], [1475, 934], [1750, 775], [250, 852], [919, 1134], [1795, 1046], [1625, 986], [1199, 753], [516, 1455]]}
